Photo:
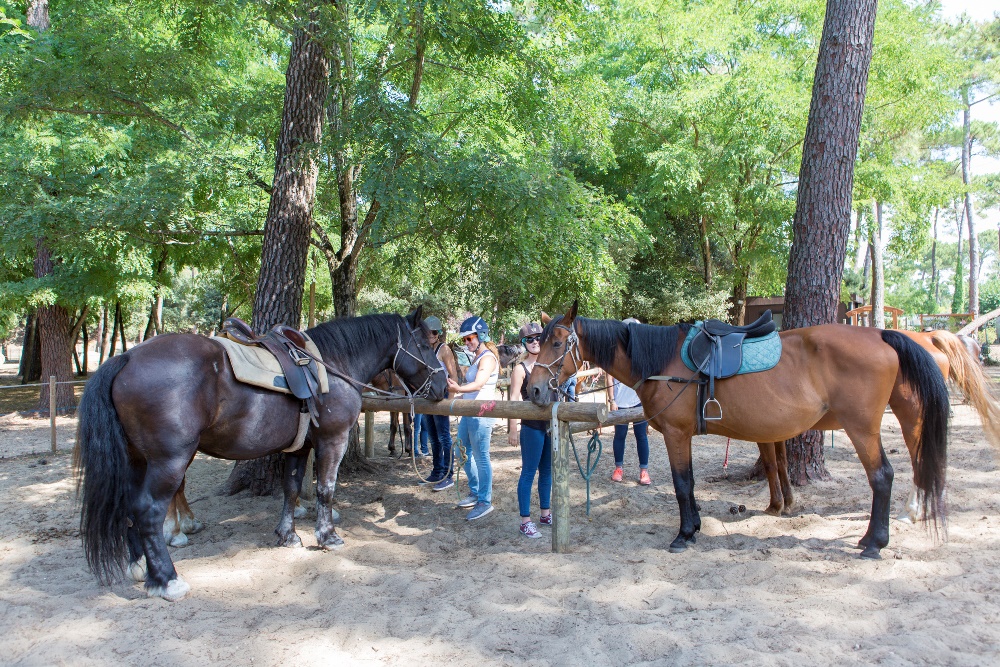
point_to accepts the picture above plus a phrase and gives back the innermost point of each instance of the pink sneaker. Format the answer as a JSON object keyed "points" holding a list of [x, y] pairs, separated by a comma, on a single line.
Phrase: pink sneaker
{"points": [[618, 475], [545, 520], [644, 477], [529, 530]]}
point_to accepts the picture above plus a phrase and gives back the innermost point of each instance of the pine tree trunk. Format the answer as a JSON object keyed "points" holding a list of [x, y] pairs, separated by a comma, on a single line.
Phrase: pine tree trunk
{"points": [[958, 296], [969, 213], [54, 340], [278, 299], [934, 272], [826, 176]]}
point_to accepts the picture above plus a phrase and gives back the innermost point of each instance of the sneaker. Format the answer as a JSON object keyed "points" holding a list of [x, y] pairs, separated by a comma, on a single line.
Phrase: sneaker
{"points": [[443, 484], [433, 479], [644, 477], [479, 511], [545, 520], [468, 501], [618, 475], [529, 531]]}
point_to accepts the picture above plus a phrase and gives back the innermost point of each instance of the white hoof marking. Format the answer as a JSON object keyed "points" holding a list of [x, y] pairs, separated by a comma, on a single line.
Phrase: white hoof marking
{"points": [[137, 570], [175, 590]]}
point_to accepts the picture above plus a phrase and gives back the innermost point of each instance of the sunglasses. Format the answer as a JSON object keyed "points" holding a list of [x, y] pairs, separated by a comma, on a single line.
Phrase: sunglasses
{"points": [[466, 339], [531, 339]]}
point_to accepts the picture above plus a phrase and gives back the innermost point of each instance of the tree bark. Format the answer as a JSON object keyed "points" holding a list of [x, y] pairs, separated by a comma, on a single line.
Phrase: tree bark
{"points": [[38, 15], [30, 368], [86, 349], [278, 299], [826, 177], [969, 213], [878, 268], [958, 297], [934, 272], [54, 340]]}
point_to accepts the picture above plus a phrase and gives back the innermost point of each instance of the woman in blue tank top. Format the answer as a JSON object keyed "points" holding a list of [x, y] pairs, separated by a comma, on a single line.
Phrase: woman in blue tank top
{"points": [[476, 432]]}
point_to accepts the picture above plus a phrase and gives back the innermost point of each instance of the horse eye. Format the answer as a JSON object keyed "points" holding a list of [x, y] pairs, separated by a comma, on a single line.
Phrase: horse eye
{"points": [[556, 344]]}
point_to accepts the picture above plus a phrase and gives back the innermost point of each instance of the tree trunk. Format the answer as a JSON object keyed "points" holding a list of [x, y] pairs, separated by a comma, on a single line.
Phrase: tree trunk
{"points": [[86, 349], [958, 297], [121, 326], [30, 368], [969, 213], [54, 340], [706, 251], [38, 15], [877, 246], [738, 309], [935, 286], [104, 342], [114, 329], [861, 254], [826, 177], [278, 299]]}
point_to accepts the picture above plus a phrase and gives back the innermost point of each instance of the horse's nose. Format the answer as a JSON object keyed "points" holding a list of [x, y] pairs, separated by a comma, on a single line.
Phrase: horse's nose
{"points": [[536, 394]]}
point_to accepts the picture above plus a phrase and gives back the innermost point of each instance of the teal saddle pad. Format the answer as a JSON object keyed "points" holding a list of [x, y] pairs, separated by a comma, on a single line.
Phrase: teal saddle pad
{"points": [[759, 354]]}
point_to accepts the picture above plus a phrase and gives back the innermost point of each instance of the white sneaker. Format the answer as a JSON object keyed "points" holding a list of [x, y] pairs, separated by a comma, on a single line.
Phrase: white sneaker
{"points": [[468, 501]]}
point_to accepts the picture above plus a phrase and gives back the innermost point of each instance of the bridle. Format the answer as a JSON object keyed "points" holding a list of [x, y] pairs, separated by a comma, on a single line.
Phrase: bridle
{"points": [[424, 389], [573, 350]]}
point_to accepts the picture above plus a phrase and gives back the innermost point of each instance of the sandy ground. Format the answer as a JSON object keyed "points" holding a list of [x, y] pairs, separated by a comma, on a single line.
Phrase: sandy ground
{"points": [[416, 584]]}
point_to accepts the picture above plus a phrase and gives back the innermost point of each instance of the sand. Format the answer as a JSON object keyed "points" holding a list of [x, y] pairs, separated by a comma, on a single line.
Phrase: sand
{"points": [[417, 584]]}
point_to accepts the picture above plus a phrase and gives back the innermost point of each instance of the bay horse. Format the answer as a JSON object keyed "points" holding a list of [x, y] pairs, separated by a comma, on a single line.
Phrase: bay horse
{"points": [[957, 361], [829, 377], [146, 413]]}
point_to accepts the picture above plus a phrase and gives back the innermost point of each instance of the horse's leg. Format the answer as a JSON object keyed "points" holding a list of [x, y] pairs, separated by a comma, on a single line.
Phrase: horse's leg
{"points": [[682, 472], [868, 444], [329, 452], [769, 460], [189, 524], [136, 555], [172, 531], [159, 485], [295, 467], [907, 411], [393, 427], [786, 485]]}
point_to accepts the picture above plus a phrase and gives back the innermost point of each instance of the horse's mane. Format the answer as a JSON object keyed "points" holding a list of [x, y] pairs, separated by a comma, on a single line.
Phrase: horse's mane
{"points": [[349, 339], [649, 348]]}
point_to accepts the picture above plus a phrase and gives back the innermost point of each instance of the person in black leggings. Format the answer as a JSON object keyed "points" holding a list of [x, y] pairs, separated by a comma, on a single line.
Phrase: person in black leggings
{"points": [[536, 444], [620, 397]]}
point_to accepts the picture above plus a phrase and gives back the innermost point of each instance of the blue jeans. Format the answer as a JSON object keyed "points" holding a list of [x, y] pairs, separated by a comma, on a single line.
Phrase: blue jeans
{"points": [[438, 428], [641, 443], [420, 433], [475, 434], [536, 455]]}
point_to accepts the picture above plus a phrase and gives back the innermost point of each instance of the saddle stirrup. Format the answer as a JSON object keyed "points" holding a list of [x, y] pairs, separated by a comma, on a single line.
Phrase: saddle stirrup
{"points": [[713, 417]]}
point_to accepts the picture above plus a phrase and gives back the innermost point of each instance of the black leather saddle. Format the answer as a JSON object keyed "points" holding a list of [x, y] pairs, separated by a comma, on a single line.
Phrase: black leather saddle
{"points": [[288, 346], [717, 351]]}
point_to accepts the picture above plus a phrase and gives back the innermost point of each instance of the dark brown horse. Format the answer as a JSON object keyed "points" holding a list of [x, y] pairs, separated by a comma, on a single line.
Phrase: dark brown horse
{"points": [[146, 413], [829, 377]]}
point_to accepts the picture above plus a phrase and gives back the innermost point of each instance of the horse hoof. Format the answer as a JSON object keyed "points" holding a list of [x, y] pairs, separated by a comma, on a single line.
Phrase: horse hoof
{"points": [[332, 543], [178, 540], [773, 511], [137, 570], [175, 590], [299, 512], [905, 518], [192, 526], [678, 545], [871, 553], [291, 541]]}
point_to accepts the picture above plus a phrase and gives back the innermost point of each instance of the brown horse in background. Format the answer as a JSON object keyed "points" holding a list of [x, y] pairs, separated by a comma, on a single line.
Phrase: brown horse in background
{"points": [[815, 385]]}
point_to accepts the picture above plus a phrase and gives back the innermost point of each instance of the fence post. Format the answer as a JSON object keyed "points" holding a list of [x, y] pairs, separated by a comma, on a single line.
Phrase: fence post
{"points": [[369, 434], [52, 409], [560, 488]]}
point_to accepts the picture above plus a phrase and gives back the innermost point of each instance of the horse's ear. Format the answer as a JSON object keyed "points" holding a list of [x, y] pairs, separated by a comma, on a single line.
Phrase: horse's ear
{"points": [[571, 315], [416, 315], [545, 318]]}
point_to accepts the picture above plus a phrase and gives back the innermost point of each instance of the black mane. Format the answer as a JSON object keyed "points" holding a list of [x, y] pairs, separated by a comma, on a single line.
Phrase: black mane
{"points": [[649, 348], [355, 342]]}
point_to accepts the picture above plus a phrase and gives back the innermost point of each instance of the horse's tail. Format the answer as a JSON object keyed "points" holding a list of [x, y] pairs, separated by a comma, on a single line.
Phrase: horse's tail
{"points": [[103, 474], [921, 373], [966, 372]]}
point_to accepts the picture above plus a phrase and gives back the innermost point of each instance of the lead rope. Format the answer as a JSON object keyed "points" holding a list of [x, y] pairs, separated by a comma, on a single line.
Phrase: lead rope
{"points": [[593, 445]]}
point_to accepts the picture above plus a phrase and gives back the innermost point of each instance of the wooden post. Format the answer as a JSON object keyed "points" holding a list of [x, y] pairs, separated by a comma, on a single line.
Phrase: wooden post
{"points": [[560, 489], [52, 409], [369, 434]]}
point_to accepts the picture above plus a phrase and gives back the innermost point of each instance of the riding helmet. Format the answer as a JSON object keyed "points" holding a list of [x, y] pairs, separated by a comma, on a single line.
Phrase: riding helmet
{"points": [[433, 324], [475, 325], [530, 329]]}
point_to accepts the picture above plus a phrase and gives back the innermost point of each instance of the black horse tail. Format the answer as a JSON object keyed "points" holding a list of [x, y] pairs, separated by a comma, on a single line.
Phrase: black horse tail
{"points": [[103, 475], [921, 373]]}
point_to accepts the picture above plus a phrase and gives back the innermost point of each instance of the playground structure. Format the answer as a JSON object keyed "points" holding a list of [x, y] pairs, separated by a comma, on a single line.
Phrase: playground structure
{"points": [[862, 316], [566, 418]]}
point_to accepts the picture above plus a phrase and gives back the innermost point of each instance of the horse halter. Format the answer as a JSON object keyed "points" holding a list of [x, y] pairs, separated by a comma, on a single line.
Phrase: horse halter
{"points": [[424, 389], [572, 349]]}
